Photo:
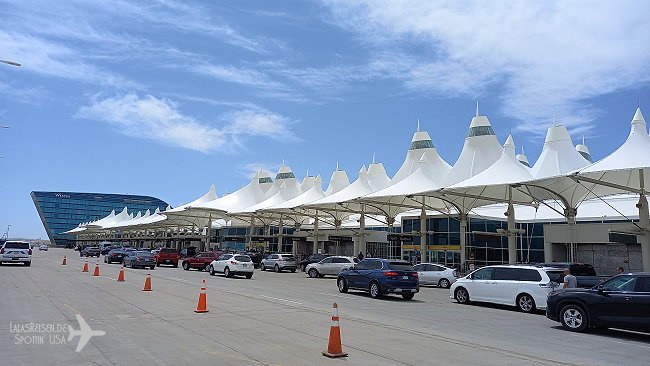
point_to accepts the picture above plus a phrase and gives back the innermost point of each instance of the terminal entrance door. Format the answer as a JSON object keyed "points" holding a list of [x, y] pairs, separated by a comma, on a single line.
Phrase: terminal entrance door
{"points": [[449, 258]]}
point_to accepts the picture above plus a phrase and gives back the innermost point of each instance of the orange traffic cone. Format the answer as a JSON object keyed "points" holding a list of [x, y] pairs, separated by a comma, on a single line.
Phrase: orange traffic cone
{"points": [[64, 261], [120, 277], [334, 347], [96, 273], [202, 306], [147, 283], [85, 269]]}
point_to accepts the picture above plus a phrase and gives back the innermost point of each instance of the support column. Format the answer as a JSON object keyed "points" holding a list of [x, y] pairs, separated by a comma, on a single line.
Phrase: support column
{"points": [[512, 234], [361, 247], [463, 242], [280, 234], [315, 245], [251, 233], [423, 234], [644, 222]]}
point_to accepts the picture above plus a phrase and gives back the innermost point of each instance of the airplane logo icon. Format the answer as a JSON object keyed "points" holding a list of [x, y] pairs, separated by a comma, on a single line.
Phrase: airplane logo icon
{"points": [[84, 333]]}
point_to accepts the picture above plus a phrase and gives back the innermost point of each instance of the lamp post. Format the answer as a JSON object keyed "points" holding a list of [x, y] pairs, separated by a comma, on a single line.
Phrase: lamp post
{"points": [[10, 63], [7, 232]]}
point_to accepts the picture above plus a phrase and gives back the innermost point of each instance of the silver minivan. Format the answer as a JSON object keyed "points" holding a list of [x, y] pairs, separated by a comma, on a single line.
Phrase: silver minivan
{"points": [[279, 262]]}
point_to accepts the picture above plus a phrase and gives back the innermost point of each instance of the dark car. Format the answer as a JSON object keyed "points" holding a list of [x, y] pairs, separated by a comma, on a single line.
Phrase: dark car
{"points": [[90, 252], [313, 258], [139, 258], [188, 252], [115, 256], [585, 273], [379, 277], [621, 302]]}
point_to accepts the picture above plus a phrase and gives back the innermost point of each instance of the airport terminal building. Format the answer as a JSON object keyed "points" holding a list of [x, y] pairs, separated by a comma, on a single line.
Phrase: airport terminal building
{"points": [[491, 206], [63, 211]]}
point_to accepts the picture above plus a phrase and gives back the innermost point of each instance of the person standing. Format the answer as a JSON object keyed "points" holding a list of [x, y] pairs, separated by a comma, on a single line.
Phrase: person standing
{"points": [[619, 270], [360, 256], [570, 281]]}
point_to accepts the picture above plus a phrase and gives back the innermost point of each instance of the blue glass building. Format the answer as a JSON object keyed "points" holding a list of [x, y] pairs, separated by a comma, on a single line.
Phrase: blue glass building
{"points": [[63, 211]]}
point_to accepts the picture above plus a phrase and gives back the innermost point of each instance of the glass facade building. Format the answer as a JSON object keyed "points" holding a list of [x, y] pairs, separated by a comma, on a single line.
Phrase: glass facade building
{"points": [[63, 211]]}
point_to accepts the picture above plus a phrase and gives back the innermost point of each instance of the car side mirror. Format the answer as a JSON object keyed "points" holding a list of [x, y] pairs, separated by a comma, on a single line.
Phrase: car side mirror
{"points": [[353, 268], [600, 289]]}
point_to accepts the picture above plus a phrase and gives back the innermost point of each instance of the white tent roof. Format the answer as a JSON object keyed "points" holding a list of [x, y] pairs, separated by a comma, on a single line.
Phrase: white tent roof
{"points": [[284, 188], [480, 150], [249, 195], [338, 181], [312, 194], [209, 196], [421, 148], [558, 155]]}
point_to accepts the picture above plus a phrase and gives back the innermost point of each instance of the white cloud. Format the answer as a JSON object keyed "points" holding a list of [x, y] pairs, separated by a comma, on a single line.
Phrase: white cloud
{"points": [[256, 123], [244, 76], [540, 55], [160, 120]]}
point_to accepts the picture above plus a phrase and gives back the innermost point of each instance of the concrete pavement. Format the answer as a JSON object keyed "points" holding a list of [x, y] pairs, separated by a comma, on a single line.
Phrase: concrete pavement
{"points": [[275, 319]]}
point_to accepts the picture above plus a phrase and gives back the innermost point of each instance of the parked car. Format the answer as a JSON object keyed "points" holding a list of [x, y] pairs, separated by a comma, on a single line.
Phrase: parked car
{"points": [[330, 266], [115, 256], [621, 302], [155, 251], [232, 264], [106, 249], [139, 258], [188, 252], [379, 277], [90, 252], [436, 274], [167, 256], [312, 258], [200, 261], [255, 257], [279, 262], [16, 252], [584, 273], [43, 247], [523, 286]]}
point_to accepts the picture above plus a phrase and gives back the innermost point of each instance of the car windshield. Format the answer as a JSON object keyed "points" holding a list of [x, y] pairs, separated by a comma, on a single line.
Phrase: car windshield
{"points": [[10, 245], [167, 250], [400, 266], [243, 258], [143, 254]]}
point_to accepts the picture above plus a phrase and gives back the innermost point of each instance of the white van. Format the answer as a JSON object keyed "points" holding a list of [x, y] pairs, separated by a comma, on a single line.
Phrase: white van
{"points": [[523, 286], [16, 252]]}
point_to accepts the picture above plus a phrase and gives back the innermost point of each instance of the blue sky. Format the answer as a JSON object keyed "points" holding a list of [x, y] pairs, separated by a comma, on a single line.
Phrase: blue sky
{"points": [[166, 97]]}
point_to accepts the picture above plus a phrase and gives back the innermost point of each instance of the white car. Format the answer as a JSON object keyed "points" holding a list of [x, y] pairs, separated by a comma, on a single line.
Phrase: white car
{"points": [[232, 264], [43, 247], [330, 266], [436, 274], [525, 287], [16, 252]]}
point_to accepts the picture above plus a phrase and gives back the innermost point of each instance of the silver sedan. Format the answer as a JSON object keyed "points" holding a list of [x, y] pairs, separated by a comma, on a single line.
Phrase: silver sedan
{"points": [[436, 274], [330, 266]]}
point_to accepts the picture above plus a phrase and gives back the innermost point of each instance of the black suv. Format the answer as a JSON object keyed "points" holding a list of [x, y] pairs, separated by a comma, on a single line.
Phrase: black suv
{"points": [[621, 302]]}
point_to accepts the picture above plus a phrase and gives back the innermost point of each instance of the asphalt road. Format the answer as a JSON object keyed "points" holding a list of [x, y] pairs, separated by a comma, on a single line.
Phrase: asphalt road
{"points": [[273, 319]]}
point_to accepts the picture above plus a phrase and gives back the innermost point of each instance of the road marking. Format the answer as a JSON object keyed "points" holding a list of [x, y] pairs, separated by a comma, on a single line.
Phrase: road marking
{"points": [[110, 278], [279, 299], [343, 297]]}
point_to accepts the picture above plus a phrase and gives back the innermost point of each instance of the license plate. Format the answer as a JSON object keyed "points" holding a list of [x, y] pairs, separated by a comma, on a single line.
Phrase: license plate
{"points": [[167, 261], [405, 277], [245, 265]]}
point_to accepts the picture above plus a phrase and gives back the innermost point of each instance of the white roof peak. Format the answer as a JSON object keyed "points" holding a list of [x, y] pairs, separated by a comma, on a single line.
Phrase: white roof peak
{"points": [[363, 170], [479, 121], [638, 123], [509, 146], [557, 133], [157, 211], [638, 116]]}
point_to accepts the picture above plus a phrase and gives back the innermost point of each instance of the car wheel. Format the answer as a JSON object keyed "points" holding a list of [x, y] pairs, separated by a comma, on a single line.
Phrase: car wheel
{"points": [[186, 266], [574, 318], [207, 266], [342, 284], [375, 291], [226, 272], [525, 303], [249, 275], [461, 295], [293, 270], [276, 268], [408, 295], [313, 273], [27, 264], [152, 267], [444, 283], [262, 268], [211, 270]]}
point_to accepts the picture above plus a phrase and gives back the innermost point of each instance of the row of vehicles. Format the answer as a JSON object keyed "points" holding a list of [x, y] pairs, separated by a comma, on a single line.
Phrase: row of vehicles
{"points": [[622, 301]]}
